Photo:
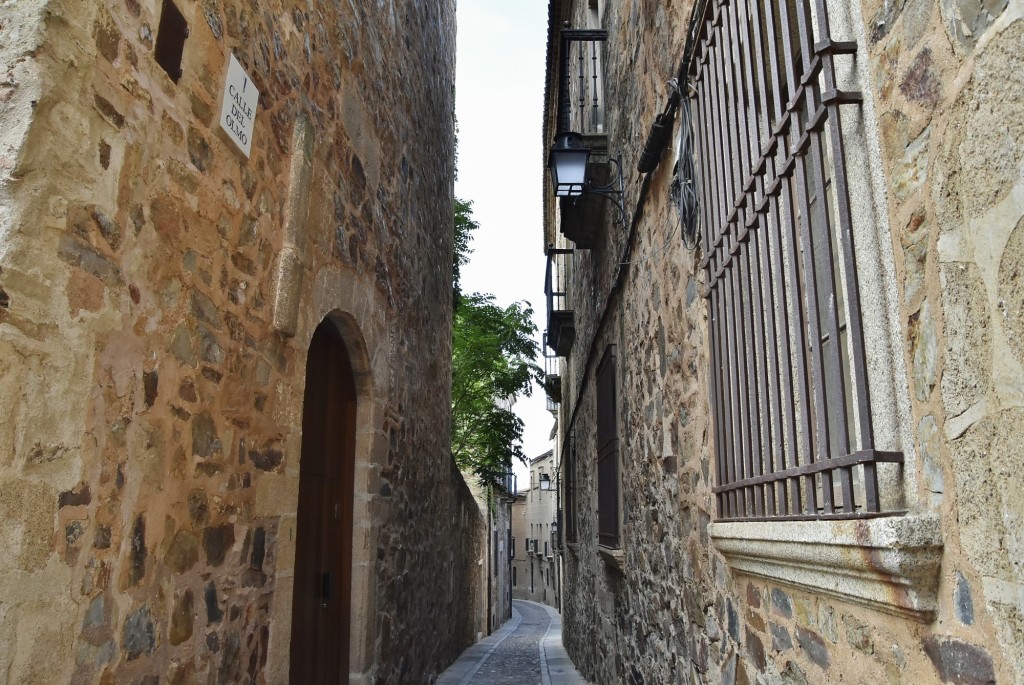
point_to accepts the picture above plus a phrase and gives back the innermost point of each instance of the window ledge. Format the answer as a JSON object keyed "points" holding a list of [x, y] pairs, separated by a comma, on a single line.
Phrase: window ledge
{"points": [[888, 564], [613, 557]]}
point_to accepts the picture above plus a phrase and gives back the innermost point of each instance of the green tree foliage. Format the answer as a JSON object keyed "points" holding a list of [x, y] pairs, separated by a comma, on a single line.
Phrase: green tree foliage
{"points": [[464, 225], [493, 362]]}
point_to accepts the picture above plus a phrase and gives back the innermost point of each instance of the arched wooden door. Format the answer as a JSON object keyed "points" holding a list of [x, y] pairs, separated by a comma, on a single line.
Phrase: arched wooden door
{"points": [[323, 552]]}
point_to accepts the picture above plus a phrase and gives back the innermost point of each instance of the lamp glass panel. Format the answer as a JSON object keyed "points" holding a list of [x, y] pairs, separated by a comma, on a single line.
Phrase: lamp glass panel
{"points": [[568, 170]]}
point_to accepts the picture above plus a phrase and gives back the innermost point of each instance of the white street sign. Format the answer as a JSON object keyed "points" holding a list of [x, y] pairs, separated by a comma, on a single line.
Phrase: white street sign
{"points": [[238, 111]]}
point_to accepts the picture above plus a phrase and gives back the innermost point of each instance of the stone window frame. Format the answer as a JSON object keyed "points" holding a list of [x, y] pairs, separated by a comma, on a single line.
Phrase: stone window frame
{"points": [[889, 564]]}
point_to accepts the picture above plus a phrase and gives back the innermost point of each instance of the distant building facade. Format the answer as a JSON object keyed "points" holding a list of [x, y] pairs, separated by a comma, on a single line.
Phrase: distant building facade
{"points": [[534, 528], [791, 365], [495, 586]]}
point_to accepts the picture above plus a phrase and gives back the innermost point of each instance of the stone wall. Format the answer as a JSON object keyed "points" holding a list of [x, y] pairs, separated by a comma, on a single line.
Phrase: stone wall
{"points": [[494, 567], [158, 292], [500, 601], [944, 87]]}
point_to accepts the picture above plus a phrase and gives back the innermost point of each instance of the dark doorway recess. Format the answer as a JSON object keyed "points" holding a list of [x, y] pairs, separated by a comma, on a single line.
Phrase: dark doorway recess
{"points": [[323, 550]]}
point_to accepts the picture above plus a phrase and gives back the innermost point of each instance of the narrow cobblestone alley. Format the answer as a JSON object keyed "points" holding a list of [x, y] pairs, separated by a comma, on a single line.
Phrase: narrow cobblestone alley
{"points": [[527, 650]]}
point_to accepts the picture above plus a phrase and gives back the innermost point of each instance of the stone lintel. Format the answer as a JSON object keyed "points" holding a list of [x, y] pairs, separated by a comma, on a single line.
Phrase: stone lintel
{"points": [[888, 564]]}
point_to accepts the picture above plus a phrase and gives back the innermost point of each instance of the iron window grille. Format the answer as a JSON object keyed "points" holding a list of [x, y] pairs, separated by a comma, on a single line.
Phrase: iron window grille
{"points": [[792, 415], [607, 452]]}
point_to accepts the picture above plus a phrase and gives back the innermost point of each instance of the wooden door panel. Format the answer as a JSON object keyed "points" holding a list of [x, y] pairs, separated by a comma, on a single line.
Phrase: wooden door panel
{"points": [[323, 556]]}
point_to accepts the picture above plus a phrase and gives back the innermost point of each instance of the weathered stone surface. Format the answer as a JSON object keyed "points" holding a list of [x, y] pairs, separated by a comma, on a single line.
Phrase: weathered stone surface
{"points": [[930, 449], [794, 675], [199, 151], [266, 459], [782, 605], [884, 20], [137, 564], [915, 259], [963, 601], [150, 382], [975, 174], [967, 20], [1011, 290], [103, 537], [205, 442], [959, 662], [182, 619], [80, 496], [78, 253], [138, 637], [217, 541], [214, 614], [921, 83], [198, 507], [815, 648], [183, 347], [979, 494], [858, 635], [911, 174], [781, 640], [183, 552], [967, 375], [925, 349]]}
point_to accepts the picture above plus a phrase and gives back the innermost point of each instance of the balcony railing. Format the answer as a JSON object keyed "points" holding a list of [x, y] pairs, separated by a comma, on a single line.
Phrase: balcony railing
{"points": [[581, 110], [561, 325], [582, 90], [552, 378]]}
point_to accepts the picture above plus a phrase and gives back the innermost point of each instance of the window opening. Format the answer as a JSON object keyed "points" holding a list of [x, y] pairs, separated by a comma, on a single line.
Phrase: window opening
{"points": [[607, 452], [170, 39], [569, 462]]}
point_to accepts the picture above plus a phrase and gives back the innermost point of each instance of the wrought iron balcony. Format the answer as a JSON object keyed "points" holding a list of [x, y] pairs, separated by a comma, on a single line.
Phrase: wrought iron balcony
{"points": [[552, 379], [582, 174], [561, 324]]}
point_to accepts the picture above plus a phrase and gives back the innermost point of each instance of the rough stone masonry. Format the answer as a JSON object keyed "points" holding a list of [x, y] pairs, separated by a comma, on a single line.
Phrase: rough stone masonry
{"points": [[158, 292], [944, 88]]}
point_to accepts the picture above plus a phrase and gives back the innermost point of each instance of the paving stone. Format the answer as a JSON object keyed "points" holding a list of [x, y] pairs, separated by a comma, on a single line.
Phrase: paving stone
{"points": [[515, 657]]}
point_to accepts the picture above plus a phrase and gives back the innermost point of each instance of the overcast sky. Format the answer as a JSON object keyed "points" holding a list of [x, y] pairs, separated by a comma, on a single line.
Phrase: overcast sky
{"points": [[499, 93]]}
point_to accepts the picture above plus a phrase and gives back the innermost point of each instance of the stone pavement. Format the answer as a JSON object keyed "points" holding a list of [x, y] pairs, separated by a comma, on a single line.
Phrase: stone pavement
{"points": [[527, 650]]}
